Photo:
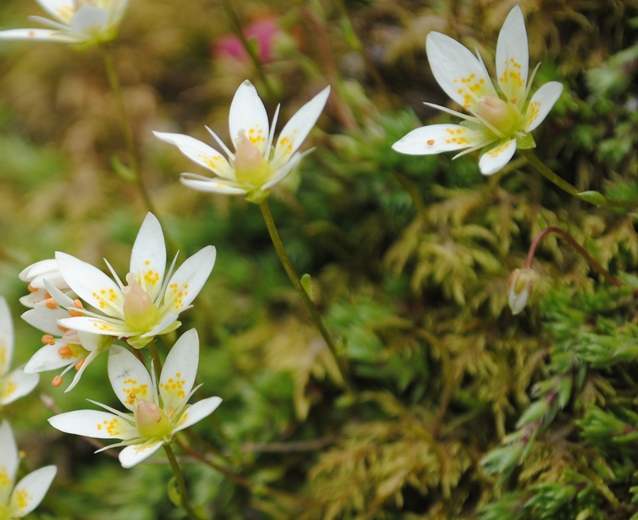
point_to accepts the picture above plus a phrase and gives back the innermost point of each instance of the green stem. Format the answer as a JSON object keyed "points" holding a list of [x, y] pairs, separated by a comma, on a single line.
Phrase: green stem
{"points": [[134, 163], [593, 198], [296, 282], [181, 484], [157, 362], [583, 252], [236, 27]]}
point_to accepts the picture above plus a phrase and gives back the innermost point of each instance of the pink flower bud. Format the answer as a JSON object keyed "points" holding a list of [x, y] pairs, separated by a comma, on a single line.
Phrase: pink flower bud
{"points": [[150, 419], [140, 312], [501, 115], [250, 165]]}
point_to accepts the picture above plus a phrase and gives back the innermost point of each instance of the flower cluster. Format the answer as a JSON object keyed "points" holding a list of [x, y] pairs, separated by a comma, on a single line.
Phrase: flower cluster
{"points": [[82, 310]]}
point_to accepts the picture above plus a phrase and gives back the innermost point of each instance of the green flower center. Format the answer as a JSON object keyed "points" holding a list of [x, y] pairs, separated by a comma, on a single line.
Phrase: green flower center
{"points": [[150, 420], [140, 313], [501, 115], [250, 166]]}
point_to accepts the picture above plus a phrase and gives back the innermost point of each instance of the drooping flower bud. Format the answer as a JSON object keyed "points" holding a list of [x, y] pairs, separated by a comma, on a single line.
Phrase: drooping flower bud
{"points": [[140, 312], [150, 419], [250, 165], [521, 287], [501, 115]]}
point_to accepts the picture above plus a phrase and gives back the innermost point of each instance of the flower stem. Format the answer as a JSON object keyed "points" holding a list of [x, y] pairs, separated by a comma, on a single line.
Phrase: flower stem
{"points": [[583, 252], [116, 90], [251, 50], [181, 484], [593, 197], [294, 278]]}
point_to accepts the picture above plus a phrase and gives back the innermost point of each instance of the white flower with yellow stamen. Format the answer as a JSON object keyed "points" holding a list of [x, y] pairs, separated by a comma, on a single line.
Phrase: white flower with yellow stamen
{"points": [[16, 383], [157, 412], [19, 501], [258, 162], [74, 21], [151, 301], [499, 120]]}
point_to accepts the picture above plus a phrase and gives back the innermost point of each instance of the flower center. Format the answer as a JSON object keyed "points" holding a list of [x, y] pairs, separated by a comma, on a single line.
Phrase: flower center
{"points": [[140, 313], [501, 115], [150, 420], [250, 165]]}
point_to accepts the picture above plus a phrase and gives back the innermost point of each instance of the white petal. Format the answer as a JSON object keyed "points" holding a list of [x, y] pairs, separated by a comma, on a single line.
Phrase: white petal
{"points": [[89, 20], [199, 183], [129, 377], [299, 126], [8, 461], [38, 270], [493, 160], [200, 153], [46, 319], [87, 361], [197, 412], [61, 9], [117, 9], [433, 139], [96, 326], [30, 491], [148, 258], [49, 358], [17, 384], [179, 372], [189, 279], [91, 284], [35, 34], [512, 57], [247, 113], [459, 73], [541, 103], [284, 170], [94, 423], [6, 336], [132, 455]]}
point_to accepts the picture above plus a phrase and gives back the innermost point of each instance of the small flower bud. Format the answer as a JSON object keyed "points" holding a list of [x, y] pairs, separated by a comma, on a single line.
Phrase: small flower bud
{"points": [[150, 419], [521, 286], [250, 165]]}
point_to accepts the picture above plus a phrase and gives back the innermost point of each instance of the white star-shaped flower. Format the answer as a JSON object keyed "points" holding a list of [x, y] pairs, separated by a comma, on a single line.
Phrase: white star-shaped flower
{"points": [[259, 162], [74, 21], [151, 301], [19, 500], [13, 383], [157, 412], [499, 120]]}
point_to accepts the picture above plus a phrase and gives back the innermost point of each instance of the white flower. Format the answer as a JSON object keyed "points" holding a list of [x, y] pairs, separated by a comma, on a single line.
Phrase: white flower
{"points": [[255, 166], [19, 501], [157, 412], [63, 348], [151, 302], [16, 383], [74, 21], [501, 121]]}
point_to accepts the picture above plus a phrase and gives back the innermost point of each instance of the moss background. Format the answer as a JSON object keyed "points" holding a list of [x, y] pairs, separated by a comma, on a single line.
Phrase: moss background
{"points": [[462, 410]]}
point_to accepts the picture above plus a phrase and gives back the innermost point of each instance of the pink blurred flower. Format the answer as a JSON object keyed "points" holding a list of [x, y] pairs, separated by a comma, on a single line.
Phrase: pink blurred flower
{"points": [[265, 31]]}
